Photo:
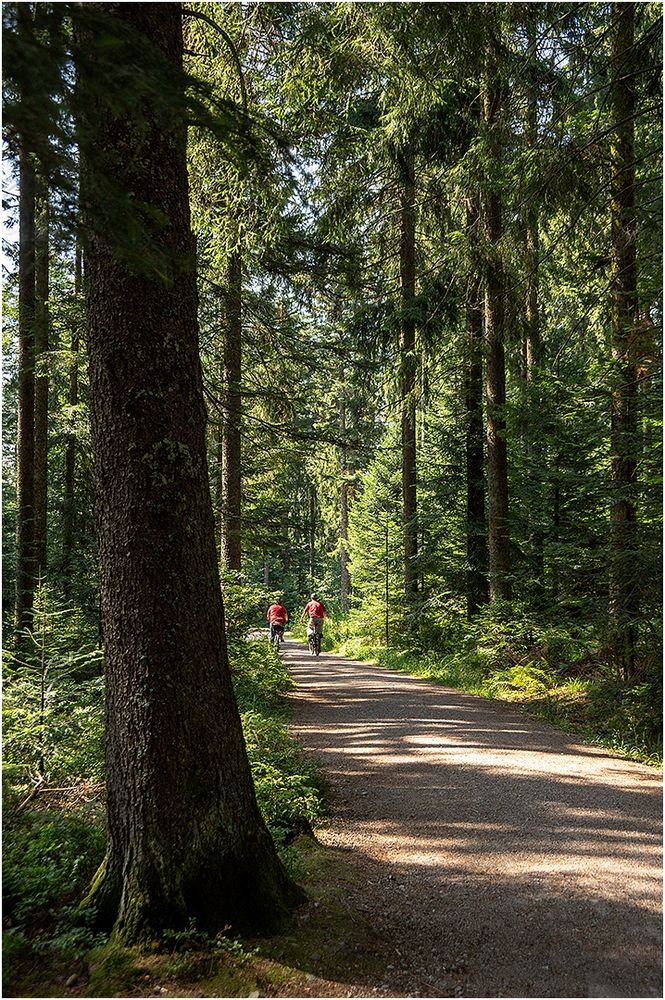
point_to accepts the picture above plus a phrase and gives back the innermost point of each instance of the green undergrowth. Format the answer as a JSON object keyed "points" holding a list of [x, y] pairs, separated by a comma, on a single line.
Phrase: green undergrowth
{"points": [[53, 844], [325, 940], [554, 670], [288, 786]]}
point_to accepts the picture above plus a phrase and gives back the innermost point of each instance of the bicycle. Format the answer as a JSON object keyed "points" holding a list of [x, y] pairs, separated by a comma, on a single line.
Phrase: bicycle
{"points": [[276, 635], [314, 641]]}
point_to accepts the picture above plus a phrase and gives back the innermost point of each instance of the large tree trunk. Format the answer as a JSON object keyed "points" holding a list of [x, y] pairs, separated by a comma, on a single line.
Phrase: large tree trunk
{"points": [[231, 526], [624, 427], [185, 836], [25, 444], [408, 370], [476, 526], [495, 292], [41, 376]]}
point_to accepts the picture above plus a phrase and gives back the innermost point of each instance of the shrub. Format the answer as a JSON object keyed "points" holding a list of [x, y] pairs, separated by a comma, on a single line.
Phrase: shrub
{"points": [[288, 787], [49, 858], [53, 695]]}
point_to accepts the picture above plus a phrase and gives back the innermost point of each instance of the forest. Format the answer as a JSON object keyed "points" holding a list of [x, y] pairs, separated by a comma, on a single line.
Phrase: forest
{"points": [[354, 299]]}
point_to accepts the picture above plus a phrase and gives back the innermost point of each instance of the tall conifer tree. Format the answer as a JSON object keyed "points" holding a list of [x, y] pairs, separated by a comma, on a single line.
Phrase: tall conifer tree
{"points": [[185, 837], [624, 441]]}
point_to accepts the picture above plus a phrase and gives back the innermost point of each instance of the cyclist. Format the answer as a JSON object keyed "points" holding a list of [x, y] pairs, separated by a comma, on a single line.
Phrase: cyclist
{"points": [[316, 610], [277, 616]]}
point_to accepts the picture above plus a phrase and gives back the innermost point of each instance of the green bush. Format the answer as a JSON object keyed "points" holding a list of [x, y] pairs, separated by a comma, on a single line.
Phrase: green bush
{"points": [[49, 858], [521, 680], [53, 705], [287, 784]]}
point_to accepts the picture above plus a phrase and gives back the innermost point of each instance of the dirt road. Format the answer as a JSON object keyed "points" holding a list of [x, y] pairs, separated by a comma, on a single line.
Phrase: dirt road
{"points": [[499, 857]]}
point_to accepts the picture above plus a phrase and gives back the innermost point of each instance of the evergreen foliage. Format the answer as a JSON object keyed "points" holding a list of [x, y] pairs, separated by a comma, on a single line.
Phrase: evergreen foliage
{"points": [[316, 134]]}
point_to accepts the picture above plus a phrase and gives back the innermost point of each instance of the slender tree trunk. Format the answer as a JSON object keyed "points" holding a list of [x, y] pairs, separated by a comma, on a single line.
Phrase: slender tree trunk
{"points": [[408, 369], [311, 534], [556, 526], [25, 445], [624, 425], [533, 447], [69, 501], [218, 435], [218, 476], [476, 526], [41, 376], [231, 547], [495, 292], [533, 341], [422, 442], [533, 345], [185, 836], [424, 394], [345, 580]]}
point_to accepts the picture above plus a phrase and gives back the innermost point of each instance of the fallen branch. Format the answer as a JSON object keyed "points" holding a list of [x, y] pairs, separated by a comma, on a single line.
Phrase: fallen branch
{"points": [[37, 788]]}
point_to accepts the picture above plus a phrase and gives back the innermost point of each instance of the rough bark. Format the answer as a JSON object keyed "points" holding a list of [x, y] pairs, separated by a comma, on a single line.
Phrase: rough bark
{"points": [[231, 469], [408, 370], [476, 525], [185, 836], [41, 375], [25, 444], [624, 424], [495, 291]]}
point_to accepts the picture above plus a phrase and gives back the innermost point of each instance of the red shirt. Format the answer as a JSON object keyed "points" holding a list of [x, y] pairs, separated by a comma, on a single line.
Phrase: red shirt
{"points": [[315, 609], [277, 613]]}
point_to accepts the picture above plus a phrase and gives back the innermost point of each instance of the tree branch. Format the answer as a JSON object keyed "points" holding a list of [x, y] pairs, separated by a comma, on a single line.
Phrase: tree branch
{"points": [[188, 12]]}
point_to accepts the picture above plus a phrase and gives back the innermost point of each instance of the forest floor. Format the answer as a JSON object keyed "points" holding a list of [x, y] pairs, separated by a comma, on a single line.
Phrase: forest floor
{"points": [[486, 854], [471, 850]]}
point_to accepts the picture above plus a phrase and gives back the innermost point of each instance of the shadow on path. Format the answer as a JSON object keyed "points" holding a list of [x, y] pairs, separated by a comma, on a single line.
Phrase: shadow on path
{"points": [[501, 857]]}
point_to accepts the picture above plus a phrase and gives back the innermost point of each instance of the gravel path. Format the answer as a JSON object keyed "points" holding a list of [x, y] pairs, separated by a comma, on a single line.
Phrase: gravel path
{"points": [[496, 856]]}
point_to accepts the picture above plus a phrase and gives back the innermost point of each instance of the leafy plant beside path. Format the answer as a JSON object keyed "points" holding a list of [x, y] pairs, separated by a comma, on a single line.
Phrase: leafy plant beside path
{"points": [[54, 845]]}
